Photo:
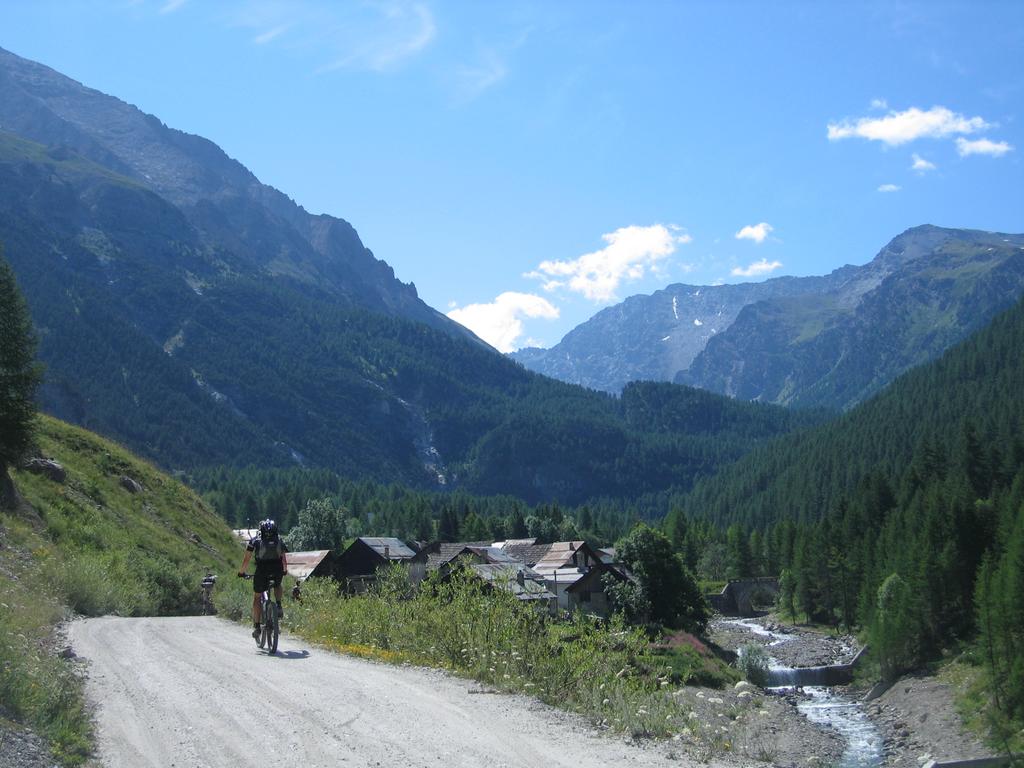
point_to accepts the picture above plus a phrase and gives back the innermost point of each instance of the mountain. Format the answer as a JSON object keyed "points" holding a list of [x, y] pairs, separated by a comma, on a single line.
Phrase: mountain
{"points": [[203, 320], [966, 405], [652, 338], [829, 341], [926, 290], [226, 208]]}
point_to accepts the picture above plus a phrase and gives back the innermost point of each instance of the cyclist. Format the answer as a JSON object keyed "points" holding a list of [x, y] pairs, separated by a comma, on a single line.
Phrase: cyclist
{"points": [[269, 551], [206, 590]]}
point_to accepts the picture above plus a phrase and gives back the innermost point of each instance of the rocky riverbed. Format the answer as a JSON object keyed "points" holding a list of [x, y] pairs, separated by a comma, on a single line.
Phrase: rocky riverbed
{"points": [[747, 725], [803, 647], [916, 717], [919, 721]]}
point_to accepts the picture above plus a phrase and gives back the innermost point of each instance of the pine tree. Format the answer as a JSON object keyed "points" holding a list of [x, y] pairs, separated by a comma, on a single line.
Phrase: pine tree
{"points": [[19, 372]]}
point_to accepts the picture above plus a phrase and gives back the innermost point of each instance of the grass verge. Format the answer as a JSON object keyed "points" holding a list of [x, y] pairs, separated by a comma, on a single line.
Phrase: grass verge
{"points": [[605, 671], [114, 536]]}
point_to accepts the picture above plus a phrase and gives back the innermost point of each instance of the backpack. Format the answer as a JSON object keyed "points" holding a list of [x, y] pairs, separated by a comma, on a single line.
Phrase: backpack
{"points": [[269, 549]]}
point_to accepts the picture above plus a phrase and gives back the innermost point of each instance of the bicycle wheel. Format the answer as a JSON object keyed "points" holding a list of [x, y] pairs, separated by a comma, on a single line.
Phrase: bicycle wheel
{"points": [[273, 627], [261, 641]]}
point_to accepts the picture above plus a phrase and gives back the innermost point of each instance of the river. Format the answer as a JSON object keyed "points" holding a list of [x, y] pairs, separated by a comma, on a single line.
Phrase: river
{"points": [[823, 705]]}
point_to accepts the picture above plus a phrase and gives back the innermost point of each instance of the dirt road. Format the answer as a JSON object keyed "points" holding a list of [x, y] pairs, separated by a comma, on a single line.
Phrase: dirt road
{"points": [[196, 692]]}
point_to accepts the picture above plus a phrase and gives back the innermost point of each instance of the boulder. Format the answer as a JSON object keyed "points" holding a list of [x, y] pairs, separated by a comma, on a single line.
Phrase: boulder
{"points": [[46, 467], [131, 485]]}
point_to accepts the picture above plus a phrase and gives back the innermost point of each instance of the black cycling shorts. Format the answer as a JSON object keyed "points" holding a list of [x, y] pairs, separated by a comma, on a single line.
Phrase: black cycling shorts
{"points": [[261, 579]]}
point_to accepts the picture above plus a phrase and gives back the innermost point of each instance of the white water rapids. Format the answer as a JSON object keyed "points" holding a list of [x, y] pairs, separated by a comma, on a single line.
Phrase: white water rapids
{"points": [[823, 706]]}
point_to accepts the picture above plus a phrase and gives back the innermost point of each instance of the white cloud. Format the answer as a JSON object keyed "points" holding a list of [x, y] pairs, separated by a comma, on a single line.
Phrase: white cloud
{"points": [[755, 232], [901, 127], [270, 34], [403, 32], [757, 268], [471, 81], [172, 5], [630, 252], [376, 35], [921, 165], [500, 323], [889, 188], [982, 147], [879, 104]]}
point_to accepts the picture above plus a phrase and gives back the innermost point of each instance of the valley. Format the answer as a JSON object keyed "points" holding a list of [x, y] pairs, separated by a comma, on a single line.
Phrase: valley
{"points": [[507, 558]]}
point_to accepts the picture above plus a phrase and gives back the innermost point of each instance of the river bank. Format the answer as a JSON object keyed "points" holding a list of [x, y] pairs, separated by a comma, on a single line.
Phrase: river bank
{"points": [[916, 717]]}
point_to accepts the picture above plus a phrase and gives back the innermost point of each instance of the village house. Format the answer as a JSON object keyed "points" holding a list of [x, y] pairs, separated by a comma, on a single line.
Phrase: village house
{"points": [[305, 565], [571, 570], [358, 565], [494, 566]]}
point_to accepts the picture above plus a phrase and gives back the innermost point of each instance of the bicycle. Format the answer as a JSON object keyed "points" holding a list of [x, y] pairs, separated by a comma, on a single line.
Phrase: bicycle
{"points": [[206, 594], [270, 624]]}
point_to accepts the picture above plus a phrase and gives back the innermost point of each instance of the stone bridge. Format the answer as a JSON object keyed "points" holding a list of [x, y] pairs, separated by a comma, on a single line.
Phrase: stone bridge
{"points": [[737, 598]]}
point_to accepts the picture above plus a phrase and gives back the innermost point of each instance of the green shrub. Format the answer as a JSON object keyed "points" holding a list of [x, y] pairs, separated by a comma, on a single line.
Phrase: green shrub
{"points": [[82, 583], [752, 663]]}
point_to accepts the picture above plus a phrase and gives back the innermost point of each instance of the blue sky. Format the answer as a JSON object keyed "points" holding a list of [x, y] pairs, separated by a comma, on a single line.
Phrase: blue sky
{"points": [[526, 164]]}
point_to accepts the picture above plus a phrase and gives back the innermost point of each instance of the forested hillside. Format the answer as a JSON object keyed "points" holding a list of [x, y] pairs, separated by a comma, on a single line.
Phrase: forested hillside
{"points": [[905, 517], [196, 365], [969, 397]]}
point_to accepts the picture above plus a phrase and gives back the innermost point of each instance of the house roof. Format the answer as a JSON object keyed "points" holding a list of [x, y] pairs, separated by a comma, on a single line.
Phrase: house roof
{"points": [[560, 554], [302, 564], [596, 573], [528, 554], [447, 552], [388, 547], [562, 576], [506, 576], [515, 542]]}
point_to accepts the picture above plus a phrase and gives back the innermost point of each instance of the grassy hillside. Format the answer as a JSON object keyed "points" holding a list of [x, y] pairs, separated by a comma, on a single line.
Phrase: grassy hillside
{"points": [[91, 545]]}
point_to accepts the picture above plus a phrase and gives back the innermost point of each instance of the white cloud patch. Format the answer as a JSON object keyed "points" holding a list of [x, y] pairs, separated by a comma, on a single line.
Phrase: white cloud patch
{"points": [[755, 232], [966, 147], [172, 5], [402, 32], [471, 81], [921, 165], [756, 269], [879, 104], [901, 127], [377, 35], [630, 252], [889, 188], [500, 323], [270, 34]]}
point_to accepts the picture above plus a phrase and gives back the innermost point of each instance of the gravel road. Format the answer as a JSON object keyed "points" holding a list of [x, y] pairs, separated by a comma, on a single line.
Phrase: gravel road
{"points": [[195, 692]]}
